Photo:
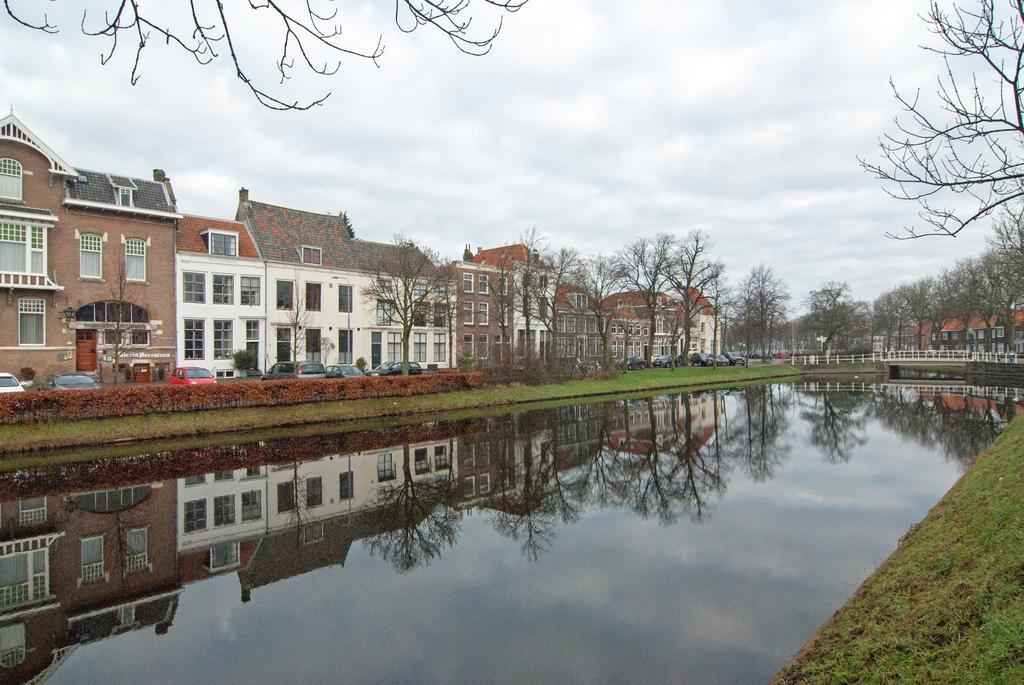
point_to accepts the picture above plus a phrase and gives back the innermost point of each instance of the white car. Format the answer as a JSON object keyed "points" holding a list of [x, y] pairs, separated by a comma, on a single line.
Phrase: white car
{"points": [[9, 383]]}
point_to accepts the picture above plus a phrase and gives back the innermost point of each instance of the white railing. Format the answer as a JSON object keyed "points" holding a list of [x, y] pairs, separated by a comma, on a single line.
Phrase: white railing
{"points": [[961, 389], [960, 356], [133, 563], [92, 573]]}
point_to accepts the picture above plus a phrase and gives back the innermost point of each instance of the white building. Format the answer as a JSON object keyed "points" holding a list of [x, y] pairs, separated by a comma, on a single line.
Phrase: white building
{"points": [[316, 279], [221, 295]]}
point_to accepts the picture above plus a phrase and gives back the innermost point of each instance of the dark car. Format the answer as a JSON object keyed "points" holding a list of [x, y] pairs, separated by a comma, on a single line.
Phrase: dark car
{"points": [[69, 381], [735, 359], [722, 360], [301, 370], [701, 359], [395, 369], [662, 361], [344, 371], [635, 363]]}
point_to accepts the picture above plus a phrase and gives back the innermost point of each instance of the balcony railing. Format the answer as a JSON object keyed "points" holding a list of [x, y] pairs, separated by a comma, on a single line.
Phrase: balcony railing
{"points": [[30, 517], [133, 563], [92, 573], [11, 595], [14, 279], [9, 658]]}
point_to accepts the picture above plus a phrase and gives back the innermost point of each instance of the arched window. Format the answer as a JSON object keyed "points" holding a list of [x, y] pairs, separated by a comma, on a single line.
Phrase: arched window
{"points": [[107, 312], [90, 256], [10, 179], [135, 259]]}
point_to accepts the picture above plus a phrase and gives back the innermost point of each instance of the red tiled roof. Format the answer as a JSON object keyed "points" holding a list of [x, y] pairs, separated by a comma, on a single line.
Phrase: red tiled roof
{"points": [[191, 229], [502, 256], [958, 325]]}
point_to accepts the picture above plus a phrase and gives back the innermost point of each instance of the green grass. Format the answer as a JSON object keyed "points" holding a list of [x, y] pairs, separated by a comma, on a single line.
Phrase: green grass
{"points": [[948, 605], [19, 438]]}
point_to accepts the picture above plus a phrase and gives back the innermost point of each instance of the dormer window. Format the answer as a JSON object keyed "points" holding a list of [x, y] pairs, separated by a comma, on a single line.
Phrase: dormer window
{"points": [[311, 255], [124, 197], [225, 244], [10, 179]]}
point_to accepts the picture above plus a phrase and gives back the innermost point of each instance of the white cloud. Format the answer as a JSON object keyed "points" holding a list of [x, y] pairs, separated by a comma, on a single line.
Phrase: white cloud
{"points": [[596, 123]]}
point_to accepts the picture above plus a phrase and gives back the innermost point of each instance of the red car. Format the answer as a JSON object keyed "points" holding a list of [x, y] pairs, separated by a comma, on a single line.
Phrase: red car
{"points": [[781, 355], [191, 375]]}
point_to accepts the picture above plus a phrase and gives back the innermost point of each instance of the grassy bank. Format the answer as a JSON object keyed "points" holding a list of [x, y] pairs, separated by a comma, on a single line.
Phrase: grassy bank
{"points": [[948, 606], [157, 426]]}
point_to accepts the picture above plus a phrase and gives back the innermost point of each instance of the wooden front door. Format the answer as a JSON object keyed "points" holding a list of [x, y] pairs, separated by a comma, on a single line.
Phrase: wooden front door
{"points": [[140, 373], [85, 350]]}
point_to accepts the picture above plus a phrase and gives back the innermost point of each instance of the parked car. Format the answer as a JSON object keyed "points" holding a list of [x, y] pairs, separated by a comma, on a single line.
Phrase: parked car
{"points": [[69, 381], [344, 371], [300, 370], [700, 359], [782, 355], [663, 361], [191, 375], [395, 369], [10, 383], [722, 360], [635, 363], [735, 359]]}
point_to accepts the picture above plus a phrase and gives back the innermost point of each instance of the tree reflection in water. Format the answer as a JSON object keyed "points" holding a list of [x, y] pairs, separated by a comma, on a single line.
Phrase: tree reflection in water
{"points": [[663, 457]]}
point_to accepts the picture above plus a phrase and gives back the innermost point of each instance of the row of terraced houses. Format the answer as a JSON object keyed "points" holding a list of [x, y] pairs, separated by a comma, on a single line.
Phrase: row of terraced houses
{"points": [[98, 266]]}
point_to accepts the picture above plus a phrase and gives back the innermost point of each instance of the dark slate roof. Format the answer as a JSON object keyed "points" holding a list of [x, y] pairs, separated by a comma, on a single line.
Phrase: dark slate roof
{"points": [[280, 232], [100, 187], [23, 209]]}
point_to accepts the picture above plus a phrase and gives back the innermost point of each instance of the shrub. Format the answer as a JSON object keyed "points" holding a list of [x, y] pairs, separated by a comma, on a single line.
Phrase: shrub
{"points": [[34, 407], [361, 364], [27, 373], [243, 360]]}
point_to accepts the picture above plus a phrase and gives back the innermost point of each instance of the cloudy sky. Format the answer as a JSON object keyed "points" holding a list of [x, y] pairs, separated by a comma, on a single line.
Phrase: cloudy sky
{"points": [[594, 122]]}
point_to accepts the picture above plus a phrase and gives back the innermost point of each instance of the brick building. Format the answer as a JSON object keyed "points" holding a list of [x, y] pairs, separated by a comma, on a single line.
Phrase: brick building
{"points": [[87, 263], [79, 567]]}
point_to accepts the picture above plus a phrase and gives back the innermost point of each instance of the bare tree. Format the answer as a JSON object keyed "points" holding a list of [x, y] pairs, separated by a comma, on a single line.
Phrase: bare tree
{"points": [[919, 300], [694, 271], [889, 315], [530, 278], [599, 281], [761, 306], [120, 340], [645, 267], [446, 304], [720, 296], [405, 289], [1002, 291], [832, 311], [310, 34], [503, 297], [968, 143], [298, 318], [561, 266]]}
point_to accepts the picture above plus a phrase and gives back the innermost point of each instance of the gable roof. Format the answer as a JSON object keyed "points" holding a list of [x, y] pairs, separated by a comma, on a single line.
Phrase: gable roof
{"points": [[100, 188], [11, 128], [280, 233], [191, 229], [502, 256]]}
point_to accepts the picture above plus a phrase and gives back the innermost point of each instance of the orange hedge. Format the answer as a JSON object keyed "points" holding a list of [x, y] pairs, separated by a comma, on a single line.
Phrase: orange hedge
{"points": [[75, 405]]}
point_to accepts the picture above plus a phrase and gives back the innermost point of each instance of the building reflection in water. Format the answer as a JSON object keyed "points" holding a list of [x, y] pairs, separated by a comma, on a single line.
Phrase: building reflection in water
{"points": [[92, 550]]}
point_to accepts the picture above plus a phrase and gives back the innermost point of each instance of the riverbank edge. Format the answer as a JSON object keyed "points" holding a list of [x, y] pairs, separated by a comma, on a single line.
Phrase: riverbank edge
{"points": [[21, 439], [948, 604]]}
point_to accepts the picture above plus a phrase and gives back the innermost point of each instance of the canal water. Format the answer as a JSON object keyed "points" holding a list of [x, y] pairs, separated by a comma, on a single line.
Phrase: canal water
{"points": [[675, 538]]}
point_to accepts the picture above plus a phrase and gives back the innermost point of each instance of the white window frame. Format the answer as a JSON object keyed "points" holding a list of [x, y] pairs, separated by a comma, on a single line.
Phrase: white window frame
{"points": [[12, 169], [94, 571], [467, 283], [230, 292], [82, 239], [483, 316], [127, 255], [319, 254], [231, 563], [31, 306], [259, 287], [121, 190], [202, 279]]}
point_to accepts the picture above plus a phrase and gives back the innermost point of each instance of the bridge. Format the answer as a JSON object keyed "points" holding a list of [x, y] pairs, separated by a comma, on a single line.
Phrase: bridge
{"points": [[901, 357]]}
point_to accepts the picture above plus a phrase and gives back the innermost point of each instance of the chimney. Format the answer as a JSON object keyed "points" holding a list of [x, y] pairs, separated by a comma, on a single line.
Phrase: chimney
{"points": [[160, 176], [243, 195]]}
